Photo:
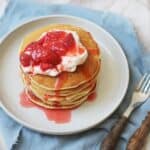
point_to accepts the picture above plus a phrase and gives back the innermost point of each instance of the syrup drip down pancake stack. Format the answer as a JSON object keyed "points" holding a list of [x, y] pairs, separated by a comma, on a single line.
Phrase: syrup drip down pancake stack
{"points": [[59, 65]]}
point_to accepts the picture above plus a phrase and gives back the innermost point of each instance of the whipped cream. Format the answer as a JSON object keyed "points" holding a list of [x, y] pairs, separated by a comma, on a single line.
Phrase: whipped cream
{"points": [[69, 62]]}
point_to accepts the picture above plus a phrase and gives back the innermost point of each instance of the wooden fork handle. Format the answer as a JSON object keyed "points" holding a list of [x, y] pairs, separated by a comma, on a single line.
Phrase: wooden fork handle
{"points": [[138, 139], [111, 139]]}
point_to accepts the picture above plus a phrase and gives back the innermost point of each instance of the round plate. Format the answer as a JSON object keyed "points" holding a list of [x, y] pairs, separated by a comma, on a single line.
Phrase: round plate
{"points": [[111, 87]]}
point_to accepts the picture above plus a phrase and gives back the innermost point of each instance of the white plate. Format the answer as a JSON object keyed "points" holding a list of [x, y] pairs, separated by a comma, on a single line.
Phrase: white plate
{"points": [[112, 83]]}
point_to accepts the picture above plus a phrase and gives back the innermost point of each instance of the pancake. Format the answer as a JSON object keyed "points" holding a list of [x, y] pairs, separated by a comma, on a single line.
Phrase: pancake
{"points": [[64, 92], [70, 89], [38, 101]]}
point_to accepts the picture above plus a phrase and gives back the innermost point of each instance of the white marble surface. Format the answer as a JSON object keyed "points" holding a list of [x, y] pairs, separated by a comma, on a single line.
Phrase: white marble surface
{"points": [[138, 11]]}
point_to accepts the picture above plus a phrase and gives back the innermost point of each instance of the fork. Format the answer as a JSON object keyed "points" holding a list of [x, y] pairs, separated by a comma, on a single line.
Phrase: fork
{"points": [[140, 95]]}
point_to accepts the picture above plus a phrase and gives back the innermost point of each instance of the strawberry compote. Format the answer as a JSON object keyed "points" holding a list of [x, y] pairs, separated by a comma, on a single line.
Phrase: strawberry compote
{"points": [[52, 52]]}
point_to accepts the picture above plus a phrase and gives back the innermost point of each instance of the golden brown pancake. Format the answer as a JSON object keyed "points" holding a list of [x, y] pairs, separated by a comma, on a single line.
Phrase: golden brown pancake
{"points": [[55, 105]]}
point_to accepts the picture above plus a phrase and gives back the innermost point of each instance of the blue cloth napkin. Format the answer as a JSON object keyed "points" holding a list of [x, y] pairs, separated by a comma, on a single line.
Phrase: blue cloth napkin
{"points": [[18, 137]]}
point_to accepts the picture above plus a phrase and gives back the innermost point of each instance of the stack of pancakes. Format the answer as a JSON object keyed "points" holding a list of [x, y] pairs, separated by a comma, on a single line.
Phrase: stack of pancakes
{"points": [[68, 89]]}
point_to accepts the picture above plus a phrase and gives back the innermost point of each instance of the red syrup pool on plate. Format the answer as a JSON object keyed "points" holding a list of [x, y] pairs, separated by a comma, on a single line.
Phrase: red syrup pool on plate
{"points": [[59, 116]]}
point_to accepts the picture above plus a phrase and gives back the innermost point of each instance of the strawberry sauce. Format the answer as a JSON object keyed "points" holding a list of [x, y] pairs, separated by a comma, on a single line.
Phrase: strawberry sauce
{"points": [[94, 52], [58, 116], [60, 82], [92, 97], [24, 100]]}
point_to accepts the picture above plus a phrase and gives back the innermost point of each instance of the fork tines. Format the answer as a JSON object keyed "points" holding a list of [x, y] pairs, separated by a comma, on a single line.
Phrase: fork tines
{"points": [[144, 85]]}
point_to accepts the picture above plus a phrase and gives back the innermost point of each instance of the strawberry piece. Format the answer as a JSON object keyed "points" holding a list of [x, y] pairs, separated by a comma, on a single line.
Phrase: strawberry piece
{"points": [[58, 47], [69, 41], [25, 59], [45, 66], [54, 58], [56, 35]]}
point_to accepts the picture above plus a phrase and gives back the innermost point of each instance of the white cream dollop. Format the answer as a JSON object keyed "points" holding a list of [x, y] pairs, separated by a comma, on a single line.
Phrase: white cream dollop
{"points": [[69, 61]]}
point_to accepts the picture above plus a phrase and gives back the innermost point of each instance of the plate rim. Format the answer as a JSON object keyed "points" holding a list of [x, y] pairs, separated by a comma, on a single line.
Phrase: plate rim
{"points": [[40, 130]]}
